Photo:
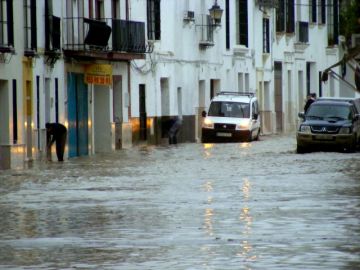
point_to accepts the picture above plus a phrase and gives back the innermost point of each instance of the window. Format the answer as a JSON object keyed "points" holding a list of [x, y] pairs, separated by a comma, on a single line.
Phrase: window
{"points": [[30, 25], [99, 9], [153, 19], [313, 11], [333, 21], [52, 28], [285, 12], [115, 9], [266, 35], [290, 16], [303, 32], [227, 24], [242, 12], [322, 11], [6, 24], [280, 15]]}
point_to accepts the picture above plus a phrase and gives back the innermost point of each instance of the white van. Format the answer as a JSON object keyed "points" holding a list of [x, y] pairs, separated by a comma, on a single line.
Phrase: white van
{"points": [[232, 116]]}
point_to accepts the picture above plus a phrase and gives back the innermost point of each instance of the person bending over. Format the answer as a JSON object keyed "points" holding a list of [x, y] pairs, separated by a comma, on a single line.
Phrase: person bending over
{"points": [[56, 132]]}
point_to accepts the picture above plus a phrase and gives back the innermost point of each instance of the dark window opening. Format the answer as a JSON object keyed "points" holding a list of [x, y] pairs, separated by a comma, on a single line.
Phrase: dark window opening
{"points": [[303, 32], [285, 19], [115, 9], [320, 84], [30, 27], [266, 35], [52, 29], [313, 11], [243, 23], [6, 25], [15, 120], [38, 110], [99, 9], [308, 75], [153, 19], [333, 22], [322, 10], [290, 16], [227, 24]]}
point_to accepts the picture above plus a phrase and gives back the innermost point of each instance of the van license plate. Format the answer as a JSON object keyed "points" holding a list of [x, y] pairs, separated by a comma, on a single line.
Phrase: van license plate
{"points": [[223, 134]]}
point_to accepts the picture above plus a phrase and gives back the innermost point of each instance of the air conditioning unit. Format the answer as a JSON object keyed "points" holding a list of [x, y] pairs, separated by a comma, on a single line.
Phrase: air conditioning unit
{"points": [[355, 40], [189, 15]]}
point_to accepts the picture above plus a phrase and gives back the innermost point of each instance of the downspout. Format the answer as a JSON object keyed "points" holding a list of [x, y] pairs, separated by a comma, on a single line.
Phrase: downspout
{"points": [[127, 15]]}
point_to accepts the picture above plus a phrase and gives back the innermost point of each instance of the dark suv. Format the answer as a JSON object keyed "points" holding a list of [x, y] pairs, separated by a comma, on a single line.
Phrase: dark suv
{"points": [[329, 123]]}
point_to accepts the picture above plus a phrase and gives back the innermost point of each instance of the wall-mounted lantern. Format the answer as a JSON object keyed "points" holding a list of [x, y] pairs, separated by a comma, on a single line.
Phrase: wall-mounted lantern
{"points": [[216, 13]]}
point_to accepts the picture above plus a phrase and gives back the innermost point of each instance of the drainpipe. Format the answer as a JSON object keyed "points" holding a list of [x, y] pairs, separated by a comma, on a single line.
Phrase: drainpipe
{"points": [[129, 90], [128, 65], [127, 8]]}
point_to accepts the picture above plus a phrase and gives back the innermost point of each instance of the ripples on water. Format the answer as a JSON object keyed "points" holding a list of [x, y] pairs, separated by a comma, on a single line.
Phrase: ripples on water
{"points": [[190, 206]]}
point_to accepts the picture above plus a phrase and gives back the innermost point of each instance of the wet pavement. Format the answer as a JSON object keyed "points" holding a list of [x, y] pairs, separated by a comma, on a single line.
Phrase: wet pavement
{"points": [[187, 206]]}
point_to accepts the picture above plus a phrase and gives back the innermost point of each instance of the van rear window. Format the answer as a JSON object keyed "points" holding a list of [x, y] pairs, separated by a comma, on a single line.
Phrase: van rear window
{"points": [[229, 109]]}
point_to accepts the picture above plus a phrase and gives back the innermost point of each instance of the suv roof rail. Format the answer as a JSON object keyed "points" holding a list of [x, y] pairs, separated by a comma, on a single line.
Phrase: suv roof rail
{"points": [[248, 94]]}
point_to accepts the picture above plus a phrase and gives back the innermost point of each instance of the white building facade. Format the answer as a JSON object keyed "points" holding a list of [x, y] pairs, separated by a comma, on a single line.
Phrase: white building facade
{"points": [[115, 71]]}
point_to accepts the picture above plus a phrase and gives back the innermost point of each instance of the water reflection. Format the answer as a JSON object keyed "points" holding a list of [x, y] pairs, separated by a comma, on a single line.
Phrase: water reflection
{"points": [[207, 147], [208, 221], [246, 222], [209, 212], [245, 145]]}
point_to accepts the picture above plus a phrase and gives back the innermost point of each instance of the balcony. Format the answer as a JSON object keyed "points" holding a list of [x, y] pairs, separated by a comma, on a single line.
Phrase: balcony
{"points": [[52, 38], [107, 39], [205, 31]]}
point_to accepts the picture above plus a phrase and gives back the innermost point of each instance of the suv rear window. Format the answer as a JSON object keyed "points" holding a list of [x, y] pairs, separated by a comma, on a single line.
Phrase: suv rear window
{"points": [[229, 109], [329, 111]]}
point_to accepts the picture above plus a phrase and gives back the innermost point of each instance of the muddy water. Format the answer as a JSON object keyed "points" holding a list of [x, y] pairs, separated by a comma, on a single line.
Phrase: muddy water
{"points": [[189, 206]]}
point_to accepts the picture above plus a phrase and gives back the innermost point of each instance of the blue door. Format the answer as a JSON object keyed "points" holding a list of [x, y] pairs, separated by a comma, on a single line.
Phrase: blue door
{"points": [[77, 115]]}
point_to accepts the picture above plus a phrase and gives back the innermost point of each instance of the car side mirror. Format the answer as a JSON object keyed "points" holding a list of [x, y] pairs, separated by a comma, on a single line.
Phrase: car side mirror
{"points": [[255, 116], [356, 117], [203, 114], [301, 115]]}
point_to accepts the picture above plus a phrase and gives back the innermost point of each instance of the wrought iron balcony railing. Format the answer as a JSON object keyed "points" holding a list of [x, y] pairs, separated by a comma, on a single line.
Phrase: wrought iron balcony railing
{"points": [[106, 35], [206, 31]]}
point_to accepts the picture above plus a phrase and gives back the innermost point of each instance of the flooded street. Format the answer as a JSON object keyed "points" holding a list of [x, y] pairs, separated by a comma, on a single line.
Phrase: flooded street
{"points": [[189, 206]]}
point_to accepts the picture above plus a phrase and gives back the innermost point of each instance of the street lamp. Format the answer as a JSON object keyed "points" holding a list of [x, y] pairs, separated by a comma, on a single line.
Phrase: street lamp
{"points": [[216, 13]]}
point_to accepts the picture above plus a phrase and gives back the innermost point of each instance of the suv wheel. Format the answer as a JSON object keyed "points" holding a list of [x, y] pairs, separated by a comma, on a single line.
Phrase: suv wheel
{"points": [[351, 148], [301, 149]]}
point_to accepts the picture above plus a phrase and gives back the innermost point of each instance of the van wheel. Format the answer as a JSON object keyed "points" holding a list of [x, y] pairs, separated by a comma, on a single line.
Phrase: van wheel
{"points": [[249, 138], [257, 135]]}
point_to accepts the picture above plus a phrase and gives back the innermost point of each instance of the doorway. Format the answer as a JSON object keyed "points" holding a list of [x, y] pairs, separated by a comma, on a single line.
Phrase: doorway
{"points": [[278, 97], [117, 110], [28, 117], [200, 109], [77, 115], [102, 125], [142, 112], [4, 112]]}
